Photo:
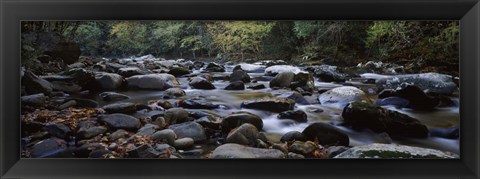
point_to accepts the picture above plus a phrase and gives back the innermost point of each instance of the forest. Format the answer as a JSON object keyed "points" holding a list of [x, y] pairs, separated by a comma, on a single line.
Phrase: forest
{"points": [[261, 40]]}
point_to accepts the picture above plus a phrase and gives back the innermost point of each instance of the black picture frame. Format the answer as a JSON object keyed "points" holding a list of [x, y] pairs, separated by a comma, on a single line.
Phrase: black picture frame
{"points": [[13, 11]]}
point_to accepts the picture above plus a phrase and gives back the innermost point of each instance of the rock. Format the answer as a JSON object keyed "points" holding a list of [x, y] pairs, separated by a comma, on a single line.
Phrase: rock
{"points": [[143, 151], [197, 104], [174, 92], [326, 134], [293, 136], [34, 100], [270, 104], [282, 80], [33, 84], [256, 86], [68, 104], [77, 65], [363, 115], [131, 71], [246, 134], [108, 81], [297, 115], [83, 77], [341, 96], [113, 67], [101, 153], [164, 104], [276, 69], [395, 101], [67, 51], [386, 93], [238, 85], [296, 96], [434, 82], [59, 130], [147, 130], [152, 81], [189, 129], [335, 150], [239, 151], [68, 87], [90, 132], [84, 150], [121, 107], [121, 121], [178, 71], [237, 119], [48, 148], [201, 83], [240, 75], [165, 148], [165, 135], [113, 96], [213, 67], [304, 148], [449, 133], [295, 155], [416, 97], [303, 81], [250, 68], [393, 151], [184, 143], [120, 133], [328, 73], [83, 103], [175, 115]]}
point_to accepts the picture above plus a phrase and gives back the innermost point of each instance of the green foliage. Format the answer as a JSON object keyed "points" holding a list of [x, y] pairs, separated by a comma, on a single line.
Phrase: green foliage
{"points": [[88, 35], [128, 38]]}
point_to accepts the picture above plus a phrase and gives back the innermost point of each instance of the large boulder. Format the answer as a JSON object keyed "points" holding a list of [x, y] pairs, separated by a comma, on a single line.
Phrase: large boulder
{"points": [[201, 83], [293, 136], [237, 85], [293, 81], [121, 121], [52, 147], [113, 96], [34, 99], [326, 134], [197, 104], [174, 92], [282, 80], [363, 115], [394, 151], [328, 73], [297, 115], [33, 84], [190, 129], [109, 81], [341, 96], [131, 71], [250, 68], [240, 151], [122, 107], [434, 82], [175, 115], [246, 134], [152, 81], [416, 97], [270, 104], [237, 119], [178, 71], [240, 75], [276, 69], [214, 67]]}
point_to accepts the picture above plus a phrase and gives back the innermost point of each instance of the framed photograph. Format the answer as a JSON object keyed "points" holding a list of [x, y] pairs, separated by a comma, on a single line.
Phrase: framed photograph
{"points": [[239, 89]]}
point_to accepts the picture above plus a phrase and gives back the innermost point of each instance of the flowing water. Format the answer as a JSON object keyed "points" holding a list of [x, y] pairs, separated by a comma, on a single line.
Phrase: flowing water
{"points": [[274, 128]]}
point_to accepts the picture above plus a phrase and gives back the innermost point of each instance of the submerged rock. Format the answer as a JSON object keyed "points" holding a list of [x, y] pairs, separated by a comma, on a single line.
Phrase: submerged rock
{"points": [[239, 151], [326, 134], [256, 86], [363, 115], [153, 81], [270, 104], [393, 151]]}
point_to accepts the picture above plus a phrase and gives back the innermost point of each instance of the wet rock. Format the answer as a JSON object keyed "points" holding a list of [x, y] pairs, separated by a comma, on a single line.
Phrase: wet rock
{"points": [[363, 115], [147, 130], [34, 100], [59, 130], [197, 104], [131, 71], [174, 92], [152, 81], [341, 96], [67, 87], [295, 155], [270, 104], [183, 143], [33, 84], [434, 82], [122, 107], [238, 85], [120, 133], [165, 135], [303, 81], [246, 134], [293, 136], [282, 80], [449, 133], [239, 151], [48, 148], [213, 67], [256, 86], [178, 71], [189, 129], [68, 104], [99, 153], [386, 93], [335, 150], [83, 77], [113, 96], [113, 67], [121, 121], [240, 75], [201, 83], [297, 115], [416, 97], [395, 101], [392, 151], [90, 132], [328, 73], [143, 151], [326, 134], [296, 96], [276, 69], [303, 148], [164, 104], [175, 115], [84, 150], [164, 148], [108, 81], [250, 68], [84, 103], [237, 119]]}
